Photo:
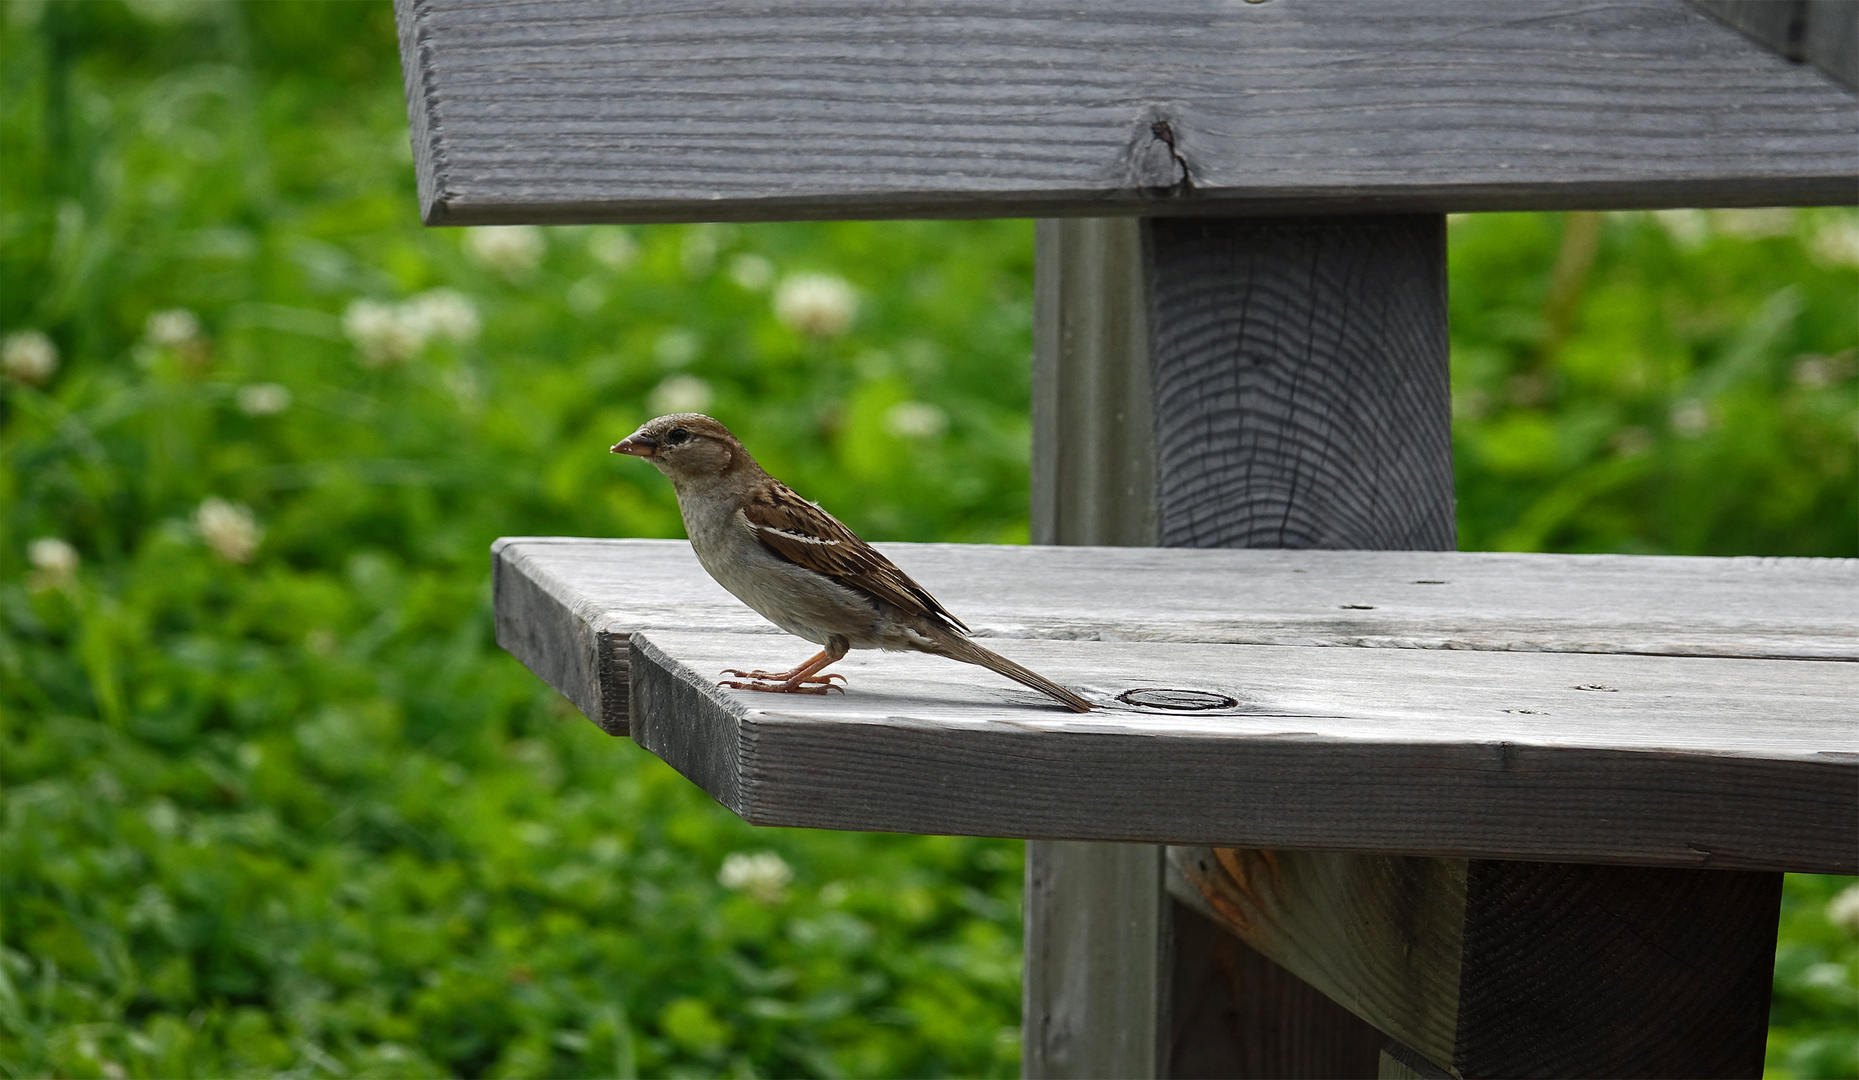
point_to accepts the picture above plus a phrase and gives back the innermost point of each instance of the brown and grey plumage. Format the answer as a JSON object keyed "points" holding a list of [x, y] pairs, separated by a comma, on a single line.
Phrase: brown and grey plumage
{"points": [[799, 566]]}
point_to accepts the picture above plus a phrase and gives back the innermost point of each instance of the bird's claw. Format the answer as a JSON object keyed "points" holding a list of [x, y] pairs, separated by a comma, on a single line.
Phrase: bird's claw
{"points": [[782, 676], [798, 687]]}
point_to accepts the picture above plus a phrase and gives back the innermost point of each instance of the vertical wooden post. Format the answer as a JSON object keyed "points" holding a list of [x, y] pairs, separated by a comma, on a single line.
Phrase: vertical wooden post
{"points": [[1219, 383], [1283, 383], [1097, 914]]}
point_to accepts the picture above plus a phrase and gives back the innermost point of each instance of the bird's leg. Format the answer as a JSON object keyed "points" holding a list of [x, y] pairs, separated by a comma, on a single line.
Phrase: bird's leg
{"points": [[804, 679]]}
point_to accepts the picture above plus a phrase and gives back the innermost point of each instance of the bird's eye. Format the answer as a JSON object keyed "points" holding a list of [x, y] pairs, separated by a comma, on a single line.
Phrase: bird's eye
{"points": [[676, 435]]}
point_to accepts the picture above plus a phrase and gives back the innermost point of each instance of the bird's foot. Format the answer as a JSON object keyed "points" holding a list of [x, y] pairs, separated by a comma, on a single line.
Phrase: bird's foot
{"points": [[784, 676], [813, 684]]}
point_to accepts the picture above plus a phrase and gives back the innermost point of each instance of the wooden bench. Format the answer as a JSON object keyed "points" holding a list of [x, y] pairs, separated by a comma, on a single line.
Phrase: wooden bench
{"points": [[1529, 820]]}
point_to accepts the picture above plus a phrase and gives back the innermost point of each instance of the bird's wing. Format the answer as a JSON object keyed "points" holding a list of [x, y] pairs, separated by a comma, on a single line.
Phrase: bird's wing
{"points": [[802, 533]]}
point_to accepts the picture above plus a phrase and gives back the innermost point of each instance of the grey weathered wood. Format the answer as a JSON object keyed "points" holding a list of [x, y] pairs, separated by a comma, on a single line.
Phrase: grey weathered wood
{"points": [[1290, 391], [1824, 33], [1094, 469], [1401, 1063], [1641, 760], [1615, 971], [1509, 968], [1300, 381], [1379, 934], [1237, 1014], [1076, 968], [575, 110], [546, 622], [1093, 482], [1764, 608]]}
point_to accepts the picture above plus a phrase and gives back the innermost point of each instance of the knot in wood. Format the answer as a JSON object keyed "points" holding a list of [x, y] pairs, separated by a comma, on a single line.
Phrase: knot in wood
{"points": [[1152, 697]]}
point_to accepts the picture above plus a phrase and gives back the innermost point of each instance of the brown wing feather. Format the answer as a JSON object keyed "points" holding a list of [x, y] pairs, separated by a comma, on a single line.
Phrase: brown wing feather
{"points": [[802, 533]]}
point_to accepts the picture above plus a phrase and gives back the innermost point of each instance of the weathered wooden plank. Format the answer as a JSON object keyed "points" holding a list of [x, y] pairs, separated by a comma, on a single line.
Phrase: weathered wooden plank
{"points": [[544, 621], [574, 110], [1667, 605], [1824, 33], [1238, 1014], [1496, 968], [1380, 934], [1615, 971], [1301, 386], [1094, 469], [1673, 761], [1073, 968], [1093, 482]]}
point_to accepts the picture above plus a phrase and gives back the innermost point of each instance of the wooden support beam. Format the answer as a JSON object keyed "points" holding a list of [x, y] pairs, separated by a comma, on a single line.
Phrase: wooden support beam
{"points": [[1490, 968], [581, 110], [1824, 33], [1296, 376]]}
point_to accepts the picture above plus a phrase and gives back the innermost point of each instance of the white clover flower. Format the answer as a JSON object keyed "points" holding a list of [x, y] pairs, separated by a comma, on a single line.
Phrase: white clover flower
{"points": [[1690, 419], [1755, 224], [699, 250], [263, 399], [173, 328], [819, 305], [54, 563], [676, 348], [915, 420], [1687, 228], [443, 313], [381, 333], [28, 356], [586, 296], [166, 11], [1837, 243], [1631, 441], [511, 250], [752, 272], [228, 529], [680, 393], [761, 874], [613, 248], [1843, 910]]}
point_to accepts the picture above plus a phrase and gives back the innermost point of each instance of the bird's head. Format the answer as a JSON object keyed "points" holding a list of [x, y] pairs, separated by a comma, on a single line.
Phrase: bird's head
{"points": [[686, 447]]}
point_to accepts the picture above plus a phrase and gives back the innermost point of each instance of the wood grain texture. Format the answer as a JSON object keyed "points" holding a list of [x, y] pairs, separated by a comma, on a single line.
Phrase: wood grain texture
{"points": [[1676, 761], [541, 620], [1615, 971], [1093, 416], [1093, 482], [1380, 935], [576, 110], [1239, 1015], [1400, 1063], [1661, 605], [1301, 389], [1824, 33], [1076, 974], [1492, 968]]}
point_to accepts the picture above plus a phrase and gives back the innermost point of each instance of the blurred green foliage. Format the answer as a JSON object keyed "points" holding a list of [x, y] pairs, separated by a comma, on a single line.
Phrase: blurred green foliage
{"points": [[273, 800]]}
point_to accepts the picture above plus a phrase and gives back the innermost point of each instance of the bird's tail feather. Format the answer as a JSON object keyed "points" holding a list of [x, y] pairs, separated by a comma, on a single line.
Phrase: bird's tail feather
{"points": [[965, 650]]}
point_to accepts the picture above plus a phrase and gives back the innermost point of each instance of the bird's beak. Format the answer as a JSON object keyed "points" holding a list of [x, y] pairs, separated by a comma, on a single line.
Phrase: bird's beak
{"points": [[637, 445]]}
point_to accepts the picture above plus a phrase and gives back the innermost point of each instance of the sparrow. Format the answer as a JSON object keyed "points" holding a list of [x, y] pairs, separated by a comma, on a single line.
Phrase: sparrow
{"points": [[798, 566]]}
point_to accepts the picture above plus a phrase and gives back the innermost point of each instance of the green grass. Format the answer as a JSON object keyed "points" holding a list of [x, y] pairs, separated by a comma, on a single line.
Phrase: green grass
{"points": [[288, 810]]}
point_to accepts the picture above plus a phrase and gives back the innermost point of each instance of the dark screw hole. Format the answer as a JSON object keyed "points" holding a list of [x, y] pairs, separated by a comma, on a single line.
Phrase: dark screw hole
{"points": [[1155, 697]]}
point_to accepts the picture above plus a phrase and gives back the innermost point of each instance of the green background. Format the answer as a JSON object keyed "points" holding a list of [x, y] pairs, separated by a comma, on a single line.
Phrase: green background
{"points": [[297, 815]]}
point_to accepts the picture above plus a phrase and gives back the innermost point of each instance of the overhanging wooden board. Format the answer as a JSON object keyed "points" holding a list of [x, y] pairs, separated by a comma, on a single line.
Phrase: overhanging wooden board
{"points": [[1676, 605], [1557, 757], [579, 110]]}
